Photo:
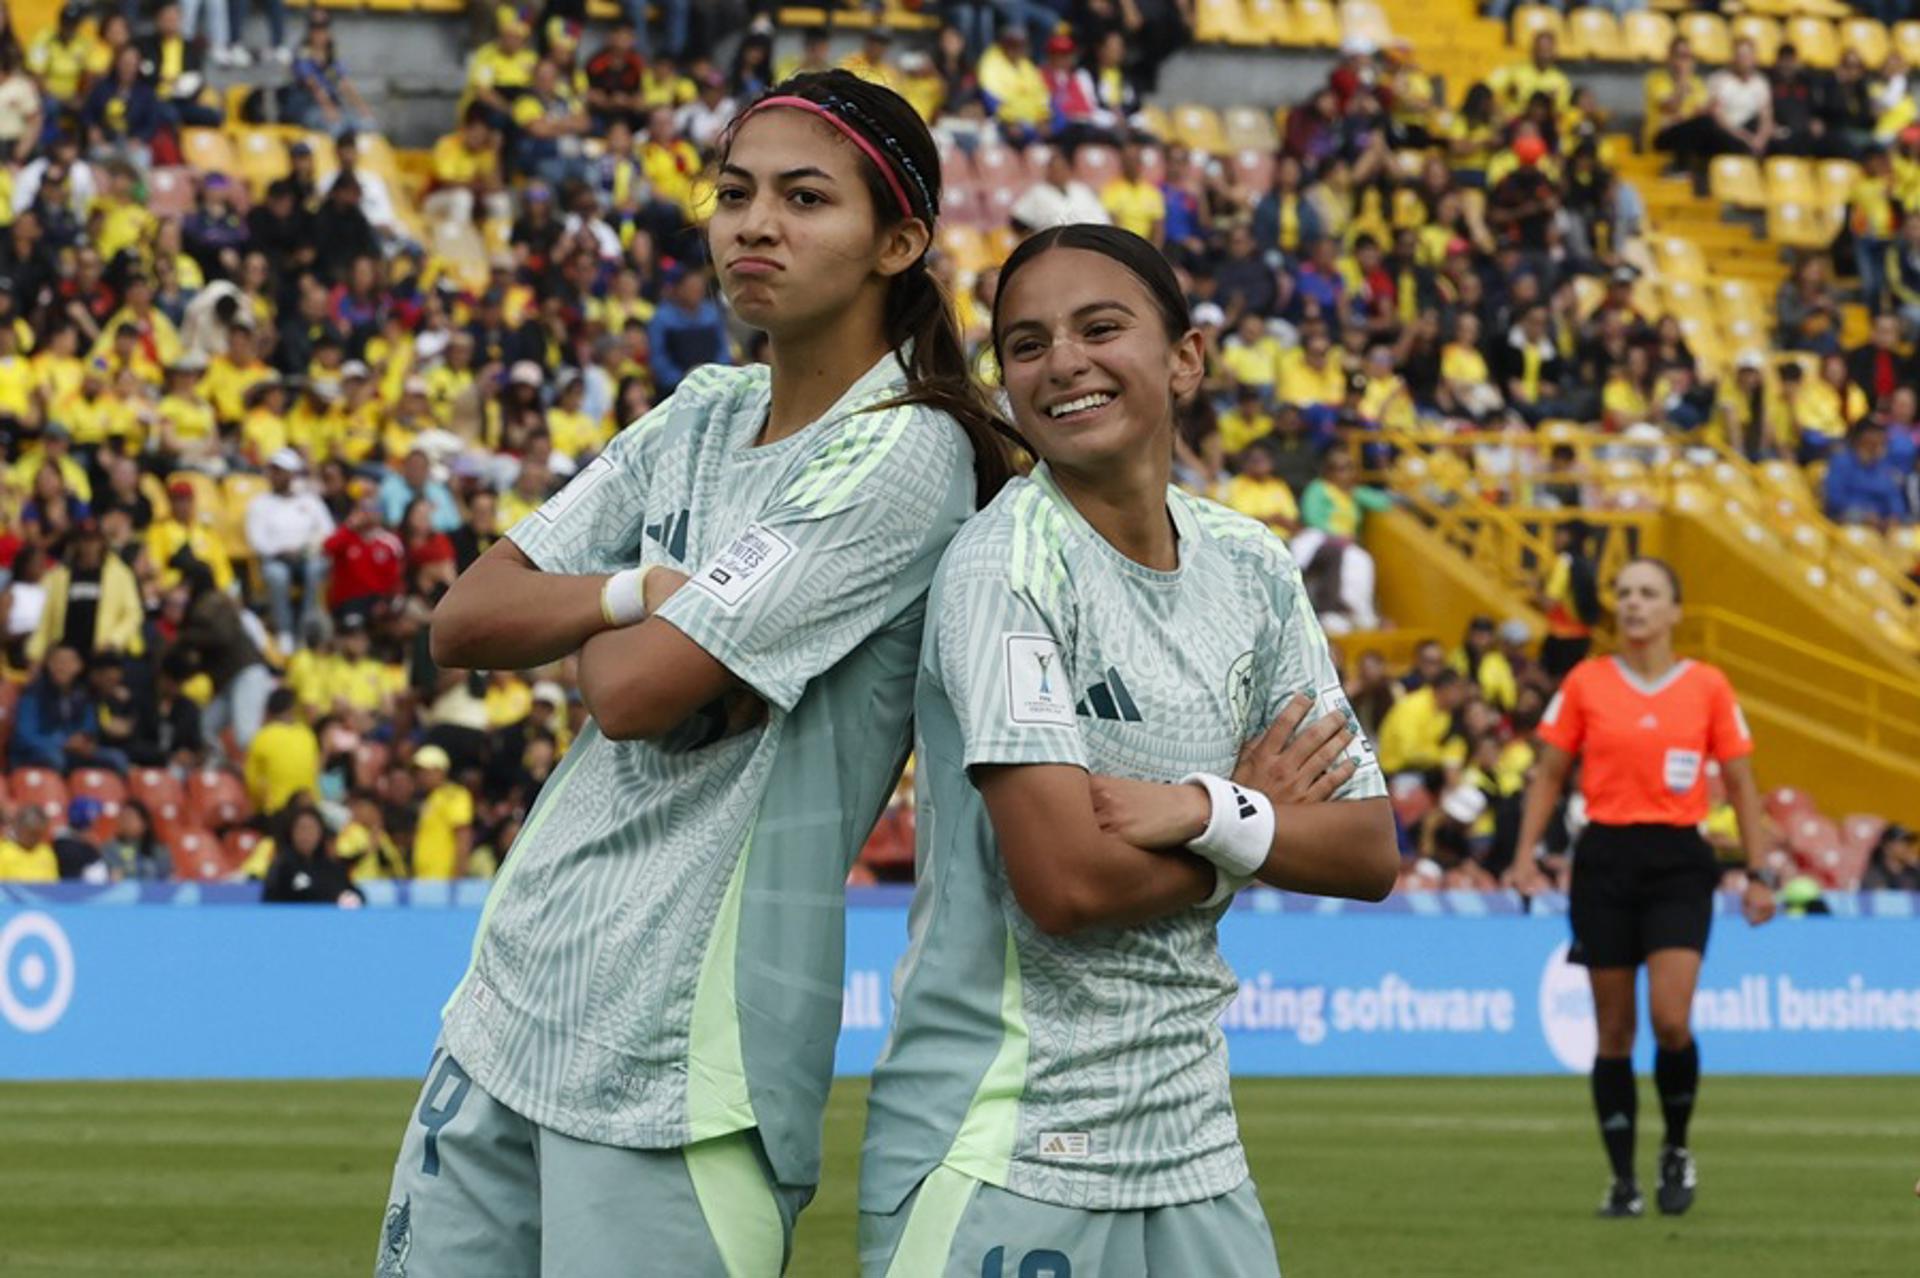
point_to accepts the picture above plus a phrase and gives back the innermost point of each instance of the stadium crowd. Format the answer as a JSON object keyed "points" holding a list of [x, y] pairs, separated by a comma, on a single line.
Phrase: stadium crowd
{"points": [[250, 443]]}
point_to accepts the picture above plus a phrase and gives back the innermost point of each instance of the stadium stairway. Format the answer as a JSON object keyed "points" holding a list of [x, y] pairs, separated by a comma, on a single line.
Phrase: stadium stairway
{"points": [[1829, 679]]}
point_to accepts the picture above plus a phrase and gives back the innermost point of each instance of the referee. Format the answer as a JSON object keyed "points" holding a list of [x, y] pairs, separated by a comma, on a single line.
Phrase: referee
{"points": [[1644, 725]]}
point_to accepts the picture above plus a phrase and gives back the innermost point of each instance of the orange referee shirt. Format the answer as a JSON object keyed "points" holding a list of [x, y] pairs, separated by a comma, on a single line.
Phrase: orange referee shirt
{"points": [[1644, 747]]}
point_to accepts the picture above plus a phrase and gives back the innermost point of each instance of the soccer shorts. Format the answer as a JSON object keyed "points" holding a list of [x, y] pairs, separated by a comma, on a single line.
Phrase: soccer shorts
{"points": [[480, 1192], [953, 1226], [1637, 889]]}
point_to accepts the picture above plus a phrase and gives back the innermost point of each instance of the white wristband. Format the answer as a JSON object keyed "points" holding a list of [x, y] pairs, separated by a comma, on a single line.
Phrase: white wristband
{"points": [[1239, 833], [623, 599], [1226, 886]]}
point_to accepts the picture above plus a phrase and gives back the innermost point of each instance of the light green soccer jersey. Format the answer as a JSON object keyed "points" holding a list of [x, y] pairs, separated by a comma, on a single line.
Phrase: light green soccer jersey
{"points": [[1089, 1070], [660, 960]]}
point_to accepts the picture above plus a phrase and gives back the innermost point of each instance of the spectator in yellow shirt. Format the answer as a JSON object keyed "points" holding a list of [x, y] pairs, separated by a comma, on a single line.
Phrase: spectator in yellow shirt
{"points": [[1418, 733], [466, 173], [59, 55], [669, 162], [1135, 203], [871, 63], [189, 433], [28, 856], [1517, 82], [1310, 374], [443, 840], [230, 376], [1012, 82], [501, 71], [181, 529], [355, 679], [1253, 354], [1258, 493], [1246, 422], [366, 848], [1479, 658], [283, 762]]}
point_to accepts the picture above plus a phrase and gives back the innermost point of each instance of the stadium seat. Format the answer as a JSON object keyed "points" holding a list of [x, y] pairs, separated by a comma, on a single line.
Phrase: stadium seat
{"points": [[236, 846], [1785, 803], [1687, 299], [1814, 841], [1253, 170], [170, 192], [996, 207], [999, 166], [1315, 24], [1529, 20], [1645, 35], [1834, 179], [1248, 127], [1219, 22], [1866, 37], [1906, 41], [1739, 297], [1790, 181], [966, 245], [1036, 157], [1681, 259], [1155, 122], [1365, 20], [207, 506], [1707, 33], [1798, 225], [1096, 165], [1199, 127], [1271, 19], [263, 157], [237, 491], [154, 786], [1762, 30], [1595, 34], [1153, 164], [217, 799], [106, 789], [1815, 39], [959, 203], [197, 855], [1736, 180], [42, 787], [209, 151]]}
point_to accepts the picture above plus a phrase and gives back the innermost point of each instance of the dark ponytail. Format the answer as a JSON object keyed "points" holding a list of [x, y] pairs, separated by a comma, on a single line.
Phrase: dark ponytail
{"points": [[918, 310]]}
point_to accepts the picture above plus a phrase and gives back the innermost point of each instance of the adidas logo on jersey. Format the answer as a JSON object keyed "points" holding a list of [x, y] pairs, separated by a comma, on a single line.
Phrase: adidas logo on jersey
{"points": [[1109, 699], [1065, 1144], [671, 532]]}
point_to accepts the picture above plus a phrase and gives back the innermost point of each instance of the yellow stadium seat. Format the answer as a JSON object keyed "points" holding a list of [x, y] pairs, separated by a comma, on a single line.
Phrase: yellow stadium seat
{"points": [[1249, 129], [209, 151], [1680, 259], [1789, 180], [238, 492], [1686, 297], [1796, 225], [966, 246], [1199, 127], [208, 508], [1707, 33], [1645, 35], [1834, 179], [1588, 293], [1814, 37], [1745, 333], [1156, 123], [1364, 20], [1866, 37], [1271, 19], [1529, 20], [1703, 338], [1315, 24], [1739, 297], [1735, 180], [1593, 33], [1763, 31], [263, 158], [1218, 21], [326, 160], [1906, 40]]}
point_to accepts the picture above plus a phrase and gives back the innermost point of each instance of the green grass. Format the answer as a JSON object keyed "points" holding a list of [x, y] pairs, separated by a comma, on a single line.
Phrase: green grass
{"points": [[1360, 1177]]}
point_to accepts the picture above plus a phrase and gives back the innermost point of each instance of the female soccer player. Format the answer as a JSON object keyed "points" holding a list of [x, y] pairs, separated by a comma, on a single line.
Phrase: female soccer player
{"points": [[1100, 648], [1644, 723], [633, 1071]]}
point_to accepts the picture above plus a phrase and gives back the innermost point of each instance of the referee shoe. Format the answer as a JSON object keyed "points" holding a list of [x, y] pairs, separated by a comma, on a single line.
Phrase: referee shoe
{"points": [[1677, 1179], [1623, 1201]]}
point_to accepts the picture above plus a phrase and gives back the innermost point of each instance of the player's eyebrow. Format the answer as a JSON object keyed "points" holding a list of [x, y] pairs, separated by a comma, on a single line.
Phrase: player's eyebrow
{"points": [[1079, 313], [805, 172]]}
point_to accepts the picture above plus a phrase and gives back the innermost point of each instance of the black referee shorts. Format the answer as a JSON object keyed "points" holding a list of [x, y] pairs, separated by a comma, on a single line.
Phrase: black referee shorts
{"points": [[1637, 889]]}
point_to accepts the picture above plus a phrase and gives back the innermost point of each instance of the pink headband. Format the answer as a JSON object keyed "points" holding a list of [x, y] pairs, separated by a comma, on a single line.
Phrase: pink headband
{"points": [[867, 148]]}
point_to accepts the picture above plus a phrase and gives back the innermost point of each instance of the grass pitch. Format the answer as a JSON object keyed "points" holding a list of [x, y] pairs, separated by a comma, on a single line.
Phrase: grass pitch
{"points": [[1382, 1178]]}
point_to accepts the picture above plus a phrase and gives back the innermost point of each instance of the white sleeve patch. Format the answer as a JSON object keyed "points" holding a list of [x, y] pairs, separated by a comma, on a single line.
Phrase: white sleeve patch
{"points": [[1037, 695], [561, 502], [1552, 715], [1332, 699], [743, 567], [1740, 718]]}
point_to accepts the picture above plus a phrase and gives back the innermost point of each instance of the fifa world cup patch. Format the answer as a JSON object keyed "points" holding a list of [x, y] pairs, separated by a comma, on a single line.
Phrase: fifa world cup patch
{"points": [[1037, 692], [743, 567], [1065, 1144]]}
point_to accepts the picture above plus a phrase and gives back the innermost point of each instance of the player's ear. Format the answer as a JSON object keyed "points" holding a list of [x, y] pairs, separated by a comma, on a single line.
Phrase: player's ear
{"points": [[1189, 361]]}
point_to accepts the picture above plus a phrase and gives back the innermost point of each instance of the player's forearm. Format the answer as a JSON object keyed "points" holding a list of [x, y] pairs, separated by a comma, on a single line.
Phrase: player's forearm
{"points": [[505, 614], [1343, 848], [1109, 883]]}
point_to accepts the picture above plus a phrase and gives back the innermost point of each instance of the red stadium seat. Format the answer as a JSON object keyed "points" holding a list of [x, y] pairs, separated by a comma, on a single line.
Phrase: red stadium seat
{"points": [[197, 855], [996, 208], [155, 786], [237, 847], [1815, 843], [169, 818], [44, 787], [104, 787], [1000, 166], [959, 202], [217, 799], [1859, 835], [1786, 803], [1153, 164], [170, 192], [1253, 170], [1037, 157]]}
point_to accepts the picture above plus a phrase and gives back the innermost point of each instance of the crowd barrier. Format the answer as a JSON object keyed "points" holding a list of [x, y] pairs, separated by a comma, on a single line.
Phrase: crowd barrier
{"points": [[196, 981]]}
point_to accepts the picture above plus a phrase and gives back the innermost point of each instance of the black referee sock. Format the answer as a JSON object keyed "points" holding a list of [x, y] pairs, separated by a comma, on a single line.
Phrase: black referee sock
{"points": [[1617, 1105], [1677, 1075]]}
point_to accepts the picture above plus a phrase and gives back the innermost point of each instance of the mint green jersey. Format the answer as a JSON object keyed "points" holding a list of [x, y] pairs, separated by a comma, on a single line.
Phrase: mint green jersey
{"points": [[1087, 1071], [660, 960]]}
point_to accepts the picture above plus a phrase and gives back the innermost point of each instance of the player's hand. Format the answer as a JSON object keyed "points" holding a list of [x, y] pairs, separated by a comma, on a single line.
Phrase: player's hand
{"points": [[1757, 902], [1148, 814], [1525, 876], [662, 582], [1292, 767]]}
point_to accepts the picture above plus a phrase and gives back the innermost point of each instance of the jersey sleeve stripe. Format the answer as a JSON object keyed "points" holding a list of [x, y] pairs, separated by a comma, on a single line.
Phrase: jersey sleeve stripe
{"points": [[882, 437]]}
